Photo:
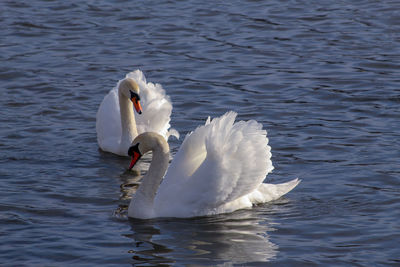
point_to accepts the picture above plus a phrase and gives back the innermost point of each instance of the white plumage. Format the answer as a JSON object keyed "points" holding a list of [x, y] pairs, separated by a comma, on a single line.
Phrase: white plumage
{"points": [[220, 167], [155, 117]]}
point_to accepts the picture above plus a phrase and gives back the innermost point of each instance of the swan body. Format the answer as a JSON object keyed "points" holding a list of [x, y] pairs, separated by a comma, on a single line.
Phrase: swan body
{"points": [[219, 168], [117, 124]]}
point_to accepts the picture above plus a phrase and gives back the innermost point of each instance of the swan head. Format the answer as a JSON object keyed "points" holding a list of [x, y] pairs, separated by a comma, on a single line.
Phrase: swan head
{"points": [[145, 142], [130, 89]]}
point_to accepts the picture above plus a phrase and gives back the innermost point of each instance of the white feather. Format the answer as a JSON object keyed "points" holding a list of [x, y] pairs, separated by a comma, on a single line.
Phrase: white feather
{"points": [[220, 167]]}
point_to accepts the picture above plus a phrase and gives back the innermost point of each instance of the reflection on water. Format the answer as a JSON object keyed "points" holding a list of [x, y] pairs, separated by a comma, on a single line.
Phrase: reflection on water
{"points": [[235, 238]]}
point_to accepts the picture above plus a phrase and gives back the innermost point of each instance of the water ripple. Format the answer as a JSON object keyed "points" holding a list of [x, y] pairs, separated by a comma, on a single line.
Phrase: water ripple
{"points": [[322, 78]]}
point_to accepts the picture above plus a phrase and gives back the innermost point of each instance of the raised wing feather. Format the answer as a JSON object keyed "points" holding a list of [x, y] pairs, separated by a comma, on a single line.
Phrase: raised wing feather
{"points": [[187, 160], [235, 158], [238, 159]]}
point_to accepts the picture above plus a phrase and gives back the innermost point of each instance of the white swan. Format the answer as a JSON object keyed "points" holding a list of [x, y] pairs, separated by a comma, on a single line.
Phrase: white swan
{"points": [[116, 123], [219, 168]]}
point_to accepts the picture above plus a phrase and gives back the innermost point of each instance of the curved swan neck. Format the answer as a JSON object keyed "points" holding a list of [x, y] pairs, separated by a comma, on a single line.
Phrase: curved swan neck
{"points": [[128, 122], [141, 205]]}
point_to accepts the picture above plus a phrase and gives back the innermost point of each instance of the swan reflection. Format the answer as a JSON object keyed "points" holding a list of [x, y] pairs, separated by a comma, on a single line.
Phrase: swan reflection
{"points": [[236, 238]]}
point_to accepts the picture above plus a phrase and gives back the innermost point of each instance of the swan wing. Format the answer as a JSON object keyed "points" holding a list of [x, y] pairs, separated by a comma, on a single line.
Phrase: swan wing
{"points": [[238, 159], [108, 122], [232, 161], [156, 105], [190, 156]]}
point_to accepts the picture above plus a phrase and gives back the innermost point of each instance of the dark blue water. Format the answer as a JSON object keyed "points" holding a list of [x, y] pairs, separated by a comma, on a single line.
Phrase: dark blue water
{"points": [[322, 76]]}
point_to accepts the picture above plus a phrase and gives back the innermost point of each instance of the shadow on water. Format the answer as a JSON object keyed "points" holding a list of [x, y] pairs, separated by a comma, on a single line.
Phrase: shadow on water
{"points": [[233, 238]]}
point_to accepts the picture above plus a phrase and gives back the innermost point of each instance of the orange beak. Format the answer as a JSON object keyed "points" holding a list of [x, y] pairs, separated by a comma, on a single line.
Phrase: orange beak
{"points": [[136, 104], [136, 156]]}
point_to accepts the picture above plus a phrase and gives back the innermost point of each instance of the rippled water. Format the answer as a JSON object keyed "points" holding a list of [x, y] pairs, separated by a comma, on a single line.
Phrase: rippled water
{"points": [[322, 76]]}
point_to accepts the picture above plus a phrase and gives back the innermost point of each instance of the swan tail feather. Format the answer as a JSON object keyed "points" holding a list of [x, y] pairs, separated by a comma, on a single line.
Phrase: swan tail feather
{"points": [[268, 192]]}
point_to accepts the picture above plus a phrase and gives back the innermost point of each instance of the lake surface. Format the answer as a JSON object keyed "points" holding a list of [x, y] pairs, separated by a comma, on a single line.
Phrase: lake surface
{"points": [[323, 77]]}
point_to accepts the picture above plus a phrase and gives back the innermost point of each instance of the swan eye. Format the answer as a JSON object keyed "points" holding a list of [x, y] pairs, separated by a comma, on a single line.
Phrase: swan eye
{"points": [[134, 149], [134, 96]]}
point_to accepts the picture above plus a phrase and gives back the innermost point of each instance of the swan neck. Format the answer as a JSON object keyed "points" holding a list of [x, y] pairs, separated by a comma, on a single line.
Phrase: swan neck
{"points": [[142, 202], [128, 122]]}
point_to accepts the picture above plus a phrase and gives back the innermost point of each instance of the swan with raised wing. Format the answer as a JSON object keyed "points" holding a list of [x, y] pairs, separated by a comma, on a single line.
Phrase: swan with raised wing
{"points": [[219, 168], [116, 123]]}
